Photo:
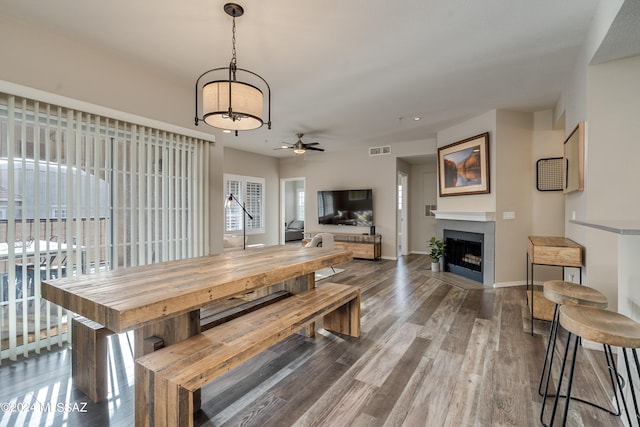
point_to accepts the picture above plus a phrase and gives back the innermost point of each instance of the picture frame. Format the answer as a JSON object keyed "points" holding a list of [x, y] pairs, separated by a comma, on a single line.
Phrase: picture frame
{"points": [[573, 165], [463, 167]]}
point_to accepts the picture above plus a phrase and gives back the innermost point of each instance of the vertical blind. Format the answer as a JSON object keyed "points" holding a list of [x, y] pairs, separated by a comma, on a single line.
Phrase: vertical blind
{"points": [[80, 193]]}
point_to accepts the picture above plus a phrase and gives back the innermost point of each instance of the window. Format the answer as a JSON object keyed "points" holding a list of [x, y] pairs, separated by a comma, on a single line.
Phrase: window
{"points": [[249, 192], [300, 204]]}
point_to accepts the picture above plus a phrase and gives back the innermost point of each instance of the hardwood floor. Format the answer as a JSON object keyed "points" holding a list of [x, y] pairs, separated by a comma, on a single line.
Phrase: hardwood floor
{"points": [[435, 350]]}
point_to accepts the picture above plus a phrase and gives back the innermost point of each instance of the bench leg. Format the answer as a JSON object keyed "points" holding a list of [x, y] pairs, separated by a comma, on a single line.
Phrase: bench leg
{"points": [[297, 286], [160, 403], [345, 319], [89, 368], [169, 332]]}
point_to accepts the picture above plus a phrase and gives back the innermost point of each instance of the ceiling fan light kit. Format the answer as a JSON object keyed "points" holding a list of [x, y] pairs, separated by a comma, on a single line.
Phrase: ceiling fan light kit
{"points": [[300, 147], [223, 101]]}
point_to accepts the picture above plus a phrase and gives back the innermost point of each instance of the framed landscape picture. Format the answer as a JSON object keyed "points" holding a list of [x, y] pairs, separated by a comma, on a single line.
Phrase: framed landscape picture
{"points": [[463, 167]]}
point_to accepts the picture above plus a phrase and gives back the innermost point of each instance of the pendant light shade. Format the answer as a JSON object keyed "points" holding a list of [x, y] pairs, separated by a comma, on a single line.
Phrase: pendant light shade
{"points": [[231, 103], [246, 99]]}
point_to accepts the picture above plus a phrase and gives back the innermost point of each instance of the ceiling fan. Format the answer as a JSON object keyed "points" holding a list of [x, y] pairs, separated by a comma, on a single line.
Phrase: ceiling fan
{"points": [[300, 147]]}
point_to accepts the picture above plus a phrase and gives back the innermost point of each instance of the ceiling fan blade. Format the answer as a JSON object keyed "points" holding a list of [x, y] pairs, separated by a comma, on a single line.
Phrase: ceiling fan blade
{"points": [[311, 143], [315, 148]]}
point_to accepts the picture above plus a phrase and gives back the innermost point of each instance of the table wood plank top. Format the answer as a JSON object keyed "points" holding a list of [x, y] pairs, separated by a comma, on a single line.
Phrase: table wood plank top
{"points": [[553, 241], [129, 298], [553, 250]]}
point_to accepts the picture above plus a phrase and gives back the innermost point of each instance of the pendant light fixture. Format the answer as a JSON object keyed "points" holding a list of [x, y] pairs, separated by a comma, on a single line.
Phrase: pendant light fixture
{"points": [[226, 102]]}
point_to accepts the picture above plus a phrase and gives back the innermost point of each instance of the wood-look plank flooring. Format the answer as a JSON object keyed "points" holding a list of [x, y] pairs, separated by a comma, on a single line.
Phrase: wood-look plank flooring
{"points": [[435, 350]]}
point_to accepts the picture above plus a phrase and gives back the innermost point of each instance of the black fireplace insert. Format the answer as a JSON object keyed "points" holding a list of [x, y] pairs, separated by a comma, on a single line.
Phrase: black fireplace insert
{"points": [[463, 254]]}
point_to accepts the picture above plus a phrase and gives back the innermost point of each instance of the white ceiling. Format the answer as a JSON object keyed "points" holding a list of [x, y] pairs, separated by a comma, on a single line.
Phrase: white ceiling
{"points": [[351, 71]]}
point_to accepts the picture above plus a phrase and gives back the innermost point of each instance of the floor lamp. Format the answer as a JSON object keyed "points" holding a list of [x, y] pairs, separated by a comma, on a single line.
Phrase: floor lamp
{"points": [[230, 200]]}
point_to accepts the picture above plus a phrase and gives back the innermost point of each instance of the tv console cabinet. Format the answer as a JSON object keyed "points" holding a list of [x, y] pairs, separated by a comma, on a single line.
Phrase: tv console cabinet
{"points": [[366, 246]]}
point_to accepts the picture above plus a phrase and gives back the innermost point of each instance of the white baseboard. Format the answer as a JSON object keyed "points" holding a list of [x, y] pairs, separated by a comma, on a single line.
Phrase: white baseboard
{"points": [[509, 284]]}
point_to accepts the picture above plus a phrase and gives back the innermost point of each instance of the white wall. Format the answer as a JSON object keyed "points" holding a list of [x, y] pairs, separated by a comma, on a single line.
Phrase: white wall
{"points": [[574, 106], [515, 179], [547, 206], [605, 96], [611, 189], [547, 142], [74, 68]]}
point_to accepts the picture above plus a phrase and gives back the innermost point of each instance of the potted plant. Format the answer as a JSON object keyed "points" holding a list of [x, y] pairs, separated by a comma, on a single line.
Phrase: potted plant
{"points": [[437, 251]]}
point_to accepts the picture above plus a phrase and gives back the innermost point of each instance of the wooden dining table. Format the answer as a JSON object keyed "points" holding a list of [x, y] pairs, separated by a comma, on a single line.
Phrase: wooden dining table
{"points": [[163, 300]]}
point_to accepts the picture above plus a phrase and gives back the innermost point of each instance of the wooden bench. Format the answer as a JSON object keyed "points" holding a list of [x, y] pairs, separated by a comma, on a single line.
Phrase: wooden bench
{"points": [[90, 373], [166, 380]]}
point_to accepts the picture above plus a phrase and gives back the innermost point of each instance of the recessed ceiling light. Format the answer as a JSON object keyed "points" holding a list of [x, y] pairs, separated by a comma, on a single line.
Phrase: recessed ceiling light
{"points": [[415, 119]]}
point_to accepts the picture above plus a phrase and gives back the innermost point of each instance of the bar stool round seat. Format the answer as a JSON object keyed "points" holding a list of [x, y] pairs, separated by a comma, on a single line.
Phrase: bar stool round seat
{"points": [[567, 293], [601, 326]]}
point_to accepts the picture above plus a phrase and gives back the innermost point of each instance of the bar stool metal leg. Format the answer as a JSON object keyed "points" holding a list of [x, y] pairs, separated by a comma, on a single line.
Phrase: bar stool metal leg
{"points": [[549, 356], [614, 377], [551, 347], [607, 328], [570, 383], [633, 391], [613, 374], [557, 395]]}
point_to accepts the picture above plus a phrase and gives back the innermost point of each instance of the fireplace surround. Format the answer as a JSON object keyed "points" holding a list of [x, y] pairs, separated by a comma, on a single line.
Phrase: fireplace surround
{"points": [[483, 227]]}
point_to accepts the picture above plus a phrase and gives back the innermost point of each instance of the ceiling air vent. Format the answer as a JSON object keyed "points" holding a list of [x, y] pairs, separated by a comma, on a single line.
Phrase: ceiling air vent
{"points": [[380, 151]]}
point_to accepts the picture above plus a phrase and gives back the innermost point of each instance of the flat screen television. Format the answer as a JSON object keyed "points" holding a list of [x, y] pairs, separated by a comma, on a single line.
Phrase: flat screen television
{"points": [[346, 207]]}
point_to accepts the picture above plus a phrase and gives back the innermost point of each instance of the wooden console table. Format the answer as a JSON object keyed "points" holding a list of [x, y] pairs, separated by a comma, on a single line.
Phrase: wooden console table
{"points": [[554, 251], [365, 246]]}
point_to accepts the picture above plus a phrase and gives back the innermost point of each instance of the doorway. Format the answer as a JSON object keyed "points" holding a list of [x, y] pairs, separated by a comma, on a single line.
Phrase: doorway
{"points": [[402, 207], [292, 203]]}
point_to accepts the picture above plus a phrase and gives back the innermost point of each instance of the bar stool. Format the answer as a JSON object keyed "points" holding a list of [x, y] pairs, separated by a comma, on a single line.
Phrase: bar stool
{"points": [[604, 327], [566, 293]]}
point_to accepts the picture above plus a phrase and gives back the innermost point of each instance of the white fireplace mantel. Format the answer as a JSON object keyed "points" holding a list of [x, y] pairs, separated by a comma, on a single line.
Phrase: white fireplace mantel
{"points": [[480, 216]]}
